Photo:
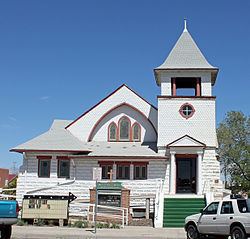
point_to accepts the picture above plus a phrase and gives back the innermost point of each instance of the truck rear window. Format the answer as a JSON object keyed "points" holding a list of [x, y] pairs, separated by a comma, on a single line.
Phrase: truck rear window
{"points": [[244, 205]]}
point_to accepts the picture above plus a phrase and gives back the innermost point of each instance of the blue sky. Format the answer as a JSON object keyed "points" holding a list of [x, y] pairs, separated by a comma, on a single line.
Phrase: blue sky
{"points": [[58, 58]]}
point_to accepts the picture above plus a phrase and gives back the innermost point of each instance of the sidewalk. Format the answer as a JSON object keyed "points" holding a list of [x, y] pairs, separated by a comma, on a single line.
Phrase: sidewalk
{"points": [[145, 232], [34, 232]]}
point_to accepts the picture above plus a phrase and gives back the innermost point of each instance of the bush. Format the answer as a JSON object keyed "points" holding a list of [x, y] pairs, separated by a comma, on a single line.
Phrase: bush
{"points": [[107, 225], [40, 222], [115, 226], [80, 224], [70, 224]]}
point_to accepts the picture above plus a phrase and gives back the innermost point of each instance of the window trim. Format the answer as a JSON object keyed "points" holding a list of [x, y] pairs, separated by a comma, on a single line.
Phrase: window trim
{"points": [[140, 164], [132, 131], [60, 159], [116, 133], [129, 129], [106, 163], [123, 164], [181, 110], [40, 159]]}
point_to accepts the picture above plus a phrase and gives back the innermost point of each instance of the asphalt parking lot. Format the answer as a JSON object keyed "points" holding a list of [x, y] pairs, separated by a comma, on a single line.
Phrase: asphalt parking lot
{"points": [[33, 232]]}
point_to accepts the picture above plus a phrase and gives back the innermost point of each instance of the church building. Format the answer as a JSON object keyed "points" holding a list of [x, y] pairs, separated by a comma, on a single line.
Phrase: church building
{"points": [[166, 153]]}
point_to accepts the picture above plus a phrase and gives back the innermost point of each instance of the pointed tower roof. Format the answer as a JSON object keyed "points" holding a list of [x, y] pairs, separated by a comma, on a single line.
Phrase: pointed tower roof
{"points": [[186, 55]]}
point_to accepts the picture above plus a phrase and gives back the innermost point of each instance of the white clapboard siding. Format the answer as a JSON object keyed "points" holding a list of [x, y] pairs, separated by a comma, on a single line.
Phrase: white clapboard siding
{"points": [[56, 186]]}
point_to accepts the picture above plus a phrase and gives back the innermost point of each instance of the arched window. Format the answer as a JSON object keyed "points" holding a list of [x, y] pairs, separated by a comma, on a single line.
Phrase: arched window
{"points": [[136, 132], [112, 135], [124, 129]]}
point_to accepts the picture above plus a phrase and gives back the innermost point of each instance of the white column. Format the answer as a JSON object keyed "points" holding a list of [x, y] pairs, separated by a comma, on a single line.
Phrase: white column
{"points": [[199, 174], [172, 175], [131, 172], [114, 171], [53, 166]]}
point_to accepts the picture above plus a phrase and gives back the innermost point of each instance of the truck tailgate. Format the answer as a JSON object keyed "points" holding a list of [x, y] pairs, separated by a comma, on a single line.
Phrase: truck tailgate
{"points": [[8, 209]]}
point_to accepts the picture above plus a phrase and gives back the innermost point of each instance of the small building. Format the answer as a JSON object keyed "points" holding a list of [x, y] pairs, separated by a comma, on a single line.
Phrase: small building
{"points": [[166, 153], [6, 177]]}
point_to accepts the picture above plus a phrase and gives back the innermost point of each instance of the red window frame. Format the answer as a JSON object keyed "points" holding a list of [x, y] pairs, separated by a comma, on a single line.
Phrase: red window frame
{"points": [[140, 165], [125, 164], [181, 111], [59, 160], [116, 136], [129, 129], [40, 159], [106, 164], [139, 126]]}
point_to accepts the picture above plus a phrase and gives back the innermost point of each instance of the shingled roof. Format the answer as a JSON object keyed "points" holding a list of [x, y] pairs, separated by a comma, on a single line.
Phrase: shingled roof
{"points": [[55, 139], [59, 139], [186, 55]]}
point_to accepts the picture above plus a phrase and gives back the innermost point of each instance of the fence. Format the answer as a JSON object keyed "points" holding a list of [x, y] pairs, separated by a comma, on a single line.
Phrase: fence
{"points": [[119, 213]]}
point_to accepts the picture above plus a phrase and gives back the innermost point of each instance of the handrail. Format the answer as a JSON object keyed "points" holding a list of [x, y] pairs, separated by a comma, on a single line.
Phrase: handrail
{"points": [[123, 217], [51, 187], [7, 196], [3, 195], [7, 189], [109, 207]]}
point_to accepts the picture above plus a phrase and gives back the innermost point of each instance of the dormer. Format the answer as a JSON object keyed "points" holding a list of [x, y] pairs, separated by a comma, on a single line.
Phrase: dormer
{"points": [[186, 72]]}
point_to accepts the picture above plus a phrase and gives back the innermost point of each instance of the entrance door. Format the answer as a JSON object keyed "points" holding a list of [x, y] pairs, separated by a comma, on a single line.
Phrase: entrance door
{"points": [[185, 175]]}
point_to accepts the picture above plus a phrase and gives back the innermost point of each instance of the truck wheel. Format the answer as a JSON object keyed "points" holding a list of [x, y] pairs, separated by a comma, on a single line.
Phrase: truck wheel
{"points": [[6, 232], [238, 233], [192, 232]]}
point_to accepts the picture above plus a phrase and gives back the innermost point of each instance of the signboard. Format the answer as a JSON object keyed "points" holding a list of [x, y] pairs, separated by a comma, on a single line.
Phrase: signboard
{"points": [[109, 200], [109, 186], [97, 174]]}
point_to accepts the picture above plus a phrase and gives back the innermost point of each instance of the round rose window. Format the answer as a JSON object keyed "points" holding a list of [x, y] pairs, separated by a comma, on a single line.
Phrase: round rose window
{"points": [[187, 110]]}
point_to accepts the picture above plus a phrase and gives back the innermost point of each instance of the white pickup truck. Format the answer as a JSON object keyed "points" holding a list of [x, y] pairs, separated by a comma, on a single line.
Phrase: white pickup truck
{"points": [[229, 217]]}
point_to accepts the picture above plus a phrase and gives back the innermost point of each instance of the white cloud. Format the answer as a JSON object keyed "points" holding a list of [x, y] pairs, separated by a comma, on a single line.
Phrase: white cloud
{"points": [[44, 98], [12, 118]]}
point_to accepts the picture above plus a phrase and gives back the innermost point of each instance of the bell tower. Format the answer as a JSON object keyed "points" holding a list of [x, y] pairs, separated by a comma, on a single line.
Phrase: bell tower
{"points": [[186, 112], [186, 105]]}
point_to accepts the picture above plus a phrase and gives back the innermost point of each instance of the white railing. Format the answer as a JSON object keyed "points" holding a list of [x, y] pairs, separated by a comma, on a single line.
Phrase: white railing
{"points": [[109, 212], [79, 209], [4, 195], [159, 201]]}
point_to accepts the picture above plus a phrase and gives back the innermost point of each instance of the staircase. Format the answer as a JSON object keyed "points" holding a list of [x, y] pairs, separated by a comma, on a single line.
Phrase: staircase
{"points": [[177, 209]]}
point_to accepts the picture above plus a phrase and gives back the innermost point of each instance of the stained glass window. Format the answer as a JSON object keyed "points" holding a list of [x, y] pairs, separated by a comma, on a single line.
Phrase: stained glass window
{"points": [[112, 132], [124, 129], [136, 132]]}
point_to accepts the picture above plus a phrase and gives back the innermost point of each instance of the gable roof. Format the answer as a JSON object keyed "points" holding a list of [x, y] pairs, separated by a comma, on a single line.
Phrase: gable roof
{"points": [[55, 139], [123, 85], [186, 141]]}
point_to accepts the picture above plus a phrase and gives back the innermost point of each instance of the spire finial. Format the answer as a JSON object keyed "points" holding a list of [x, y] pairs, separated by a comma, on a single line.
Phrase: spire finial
{"points": [[185, 25]]}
